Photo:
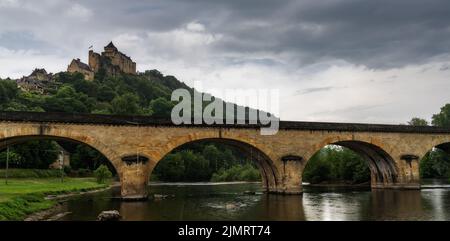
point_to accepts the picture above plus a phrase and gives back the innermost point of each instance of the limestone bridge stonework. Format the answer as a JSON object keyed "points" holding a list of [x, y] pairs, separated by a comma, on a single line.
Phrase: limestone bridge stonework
{"points": [[135, 144]]}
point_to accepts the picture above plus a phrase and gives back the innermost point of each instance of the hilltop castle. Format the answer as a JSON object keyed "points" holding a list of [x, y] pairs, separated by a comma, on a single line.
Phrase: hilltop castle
{"points": [[112, 61]]}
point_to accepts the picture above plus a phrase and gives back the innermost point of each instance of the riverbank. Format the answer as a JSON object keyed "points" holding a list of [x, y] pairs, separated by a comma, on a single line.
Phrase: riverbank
{"points": [[22, 197]]}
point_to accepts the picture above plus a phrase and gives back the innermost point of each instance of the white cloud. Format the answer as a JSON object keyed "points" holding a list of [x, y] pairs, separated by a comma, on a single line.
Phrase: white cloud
{"points": [[195, 27], [17, 63], [184, 38], [80, 12]]}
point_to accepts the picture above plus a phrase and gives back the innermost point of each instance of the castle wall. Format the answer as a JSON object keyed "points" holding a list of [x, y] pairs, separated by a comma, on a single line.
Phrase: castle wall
{"points": [[74, 68], [125, 64]]}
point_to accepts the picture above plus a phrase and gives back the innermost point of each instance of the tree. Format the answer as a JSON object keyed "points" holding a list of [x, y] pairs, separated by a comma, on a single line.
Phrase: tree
{"points": [[14, 158], [67, 99], [336, 163], [435, 164], [106, 93], [418, 122], [197, 167], [102, 173], [32, 154], [442, 119], [212, 154], [8, 90], [171, 168], [161, 107], [126, 104], [86, 157]]}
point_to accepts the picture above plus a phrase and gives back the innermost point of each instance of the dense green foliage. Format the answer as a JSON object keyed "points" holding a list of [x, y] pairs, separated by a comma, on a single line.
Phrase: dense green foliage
{"points": [[418, 122], [32, 154], [102, 174], [245, 172], [442, 119], [85, 157], [202, 162], [335, 163], [435, 164], [145, 93]]}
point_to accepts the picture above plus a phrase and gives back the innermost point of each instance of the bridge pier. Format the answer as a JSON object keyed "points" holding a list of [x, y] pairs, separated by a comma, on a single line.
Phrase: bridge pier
{"points": [[407, 175], [291, 183], [134, 182]]}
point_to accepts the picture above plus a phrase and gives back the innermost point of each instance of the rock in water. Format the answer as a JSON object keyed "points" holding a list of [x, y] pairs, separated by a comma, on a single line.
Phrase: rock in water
{"points": [[159, 196], [111, 215]]}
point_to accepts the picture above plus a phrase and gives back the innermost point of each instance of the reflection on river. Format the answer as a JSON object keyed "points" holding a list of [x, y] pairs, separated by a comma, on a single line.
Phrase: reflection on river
{"points": [[228, 202]]}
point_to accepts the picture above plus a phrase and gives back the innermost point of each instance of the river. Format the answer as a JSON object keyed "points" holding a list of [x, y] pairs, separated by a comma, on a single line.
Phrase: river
{"points": [[206, 201]]}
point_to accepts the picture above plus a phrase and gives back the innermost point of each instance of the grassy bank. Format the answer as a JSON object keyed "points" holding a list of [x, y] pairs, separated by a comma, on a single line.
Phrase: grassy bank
{"points": [[24, 196]]}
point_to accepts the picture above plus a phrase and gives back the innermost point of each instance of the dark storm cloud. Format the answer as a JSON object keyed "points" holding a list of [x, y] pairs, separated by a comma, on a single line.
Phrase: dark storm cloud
{"points": [[377, 34], [21, 40]]}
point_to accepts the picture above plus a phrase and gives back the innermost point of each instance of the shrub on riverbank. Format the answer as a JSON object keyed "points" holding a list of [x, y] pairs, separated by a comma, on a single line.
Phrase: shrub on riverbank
{"points": [[30, 173], [102, 174], [245, 172]]}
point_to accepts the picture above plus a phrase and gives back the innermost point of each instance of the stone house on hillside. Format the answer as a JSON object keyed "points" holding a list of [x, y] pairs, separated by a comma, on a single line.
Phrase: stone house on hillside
{"points": [[76, 66]]}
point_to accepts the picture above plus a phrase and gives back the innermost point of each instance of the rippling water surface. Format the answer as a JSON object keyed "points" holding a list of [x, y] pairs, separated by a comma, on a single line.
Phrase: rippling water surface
{"points": [[246, 201]]}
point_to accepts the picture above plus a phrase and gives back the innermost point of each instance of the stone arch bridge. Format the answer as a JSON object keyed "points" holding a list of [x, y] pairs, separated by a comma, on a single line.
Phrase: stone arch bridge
{"points": [[135, 144]]}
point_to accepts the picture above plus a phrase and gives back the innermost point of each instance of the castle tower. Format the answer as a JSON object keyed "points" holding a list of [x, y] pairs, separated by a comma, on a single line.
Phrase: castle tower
{"points": [[110, 50], [112, 60], [94, 60]]}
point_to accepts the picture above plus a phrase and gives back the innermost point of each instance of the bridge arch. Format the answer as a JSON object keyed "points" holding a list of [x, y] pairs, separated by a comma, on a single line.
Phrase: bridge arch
{"points": [[109, 154], [428, 152], [383, 168], [269, 172], [440, 143]]}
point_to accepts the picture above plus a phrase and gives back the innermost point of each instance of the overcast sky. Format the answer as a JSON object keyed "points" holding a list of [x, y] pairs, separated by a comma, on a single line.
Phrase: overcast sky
{"points": [[332, 60]]}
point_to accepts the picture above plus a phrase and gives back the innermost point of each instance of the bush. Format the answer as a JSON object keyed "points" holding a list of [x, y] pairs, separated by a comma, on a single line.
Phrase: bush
{"points": [[67, 169], [102, 173], [245, 172], [31, 173], [82, 172]]}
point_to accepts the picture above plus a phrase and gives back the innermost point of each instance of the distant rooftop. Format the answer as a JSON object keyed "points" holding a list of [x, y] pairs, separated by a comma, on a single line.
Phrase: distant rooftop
{"points": [[111, 45], [82, 65]]}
